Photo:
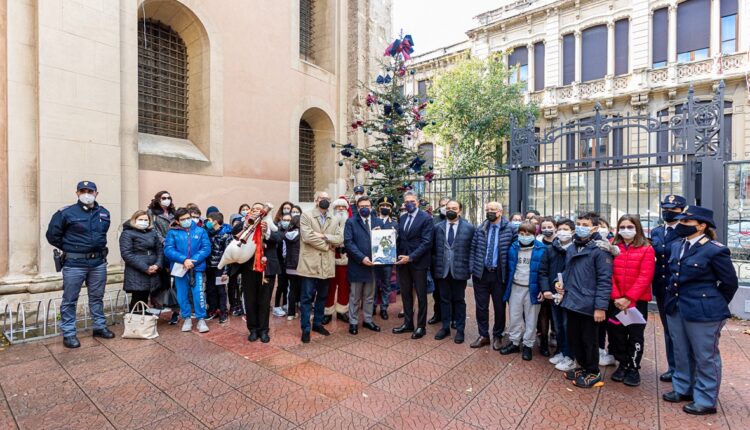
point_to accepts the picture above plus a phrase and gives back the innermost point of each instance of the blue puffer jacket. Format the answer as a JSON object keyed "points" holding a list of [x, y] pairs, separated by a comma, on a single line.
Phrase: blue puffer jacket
{"points": [[479, 248], [182, 244], [537, 271], [587, 278]]}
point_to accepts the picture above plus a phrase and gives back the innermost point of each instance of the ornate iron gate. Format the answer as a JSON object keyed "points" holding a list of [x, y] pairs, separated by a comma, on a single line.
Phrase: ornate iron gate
{"points": [[622, 163]]}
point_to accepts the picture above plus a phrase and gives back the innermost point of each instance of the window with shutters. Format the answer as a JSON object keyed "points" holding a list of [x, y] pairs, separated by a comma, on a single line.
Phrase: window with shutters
{"points": [[693, 30], [422, 88], [306, 27], [306, 162], [594, 53], [659, 38], [518, 62], [729, 26], [538, 66], [162, 81], [622, 33], [569, 59]]}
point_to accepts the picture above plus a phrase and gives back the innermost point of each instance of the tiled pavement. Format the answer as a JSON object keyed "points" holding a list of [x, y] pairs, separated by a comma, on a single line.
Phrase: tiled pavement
{"points": [[373, 380]]}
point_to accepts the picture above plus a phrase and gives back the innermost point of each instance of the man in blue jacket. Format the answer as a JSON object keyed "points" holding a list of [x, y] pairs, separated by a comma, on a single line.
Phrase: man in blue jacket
{"points": [[413, 244], [489, 267], [451, 265], [662, 238], [360, 271], [80, 231], [189, 245]]}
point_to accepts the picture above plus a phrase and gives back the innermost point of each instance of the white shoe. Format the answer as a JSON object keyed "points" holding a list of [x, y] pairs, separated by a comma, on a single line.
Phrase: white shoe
{"points": [[556, 358], [188, 324], [605, 359], [566, 364], [202, 326], [278, 312]]}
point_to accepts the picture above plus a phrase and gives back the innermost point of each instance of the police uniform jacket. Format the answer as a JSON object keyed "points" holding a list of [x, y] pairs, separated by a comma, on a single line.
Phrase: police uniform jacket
{"points": [[662, 242], [702, 282], [78, 229]]}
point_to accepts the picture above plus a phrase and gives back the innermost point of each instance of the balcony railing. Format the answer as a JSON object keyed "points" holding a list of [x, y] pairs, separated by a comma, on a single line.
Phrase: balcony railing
{"points": [[723, 67]]}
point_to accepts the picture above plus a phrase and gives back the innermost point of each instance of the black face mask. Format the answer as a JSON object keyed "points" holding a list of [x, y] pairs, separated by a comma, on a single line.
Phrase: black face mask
{"points": [[683, 230], [451, 215], [669, 216], [491, 216], [385, 211], [324, 204]]}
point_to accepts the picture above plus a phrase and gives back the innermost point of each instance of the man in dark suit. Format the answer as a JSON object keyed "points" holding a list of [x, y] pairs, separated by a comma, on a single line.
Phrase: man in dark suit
{"points": [[360, 273], [413, 243], [451, 268]]}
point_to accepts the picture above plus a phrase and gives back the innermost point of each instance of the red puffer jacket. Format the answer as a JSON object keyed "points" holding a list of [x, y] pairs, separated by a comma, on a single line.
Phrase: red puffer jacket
{"points": [[632, 273]]}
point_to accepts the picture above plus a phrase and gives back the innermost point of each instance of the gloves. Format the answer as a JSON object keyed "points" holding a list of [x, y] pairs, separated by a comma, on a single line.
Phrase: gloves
{"points": [[604, 245]]}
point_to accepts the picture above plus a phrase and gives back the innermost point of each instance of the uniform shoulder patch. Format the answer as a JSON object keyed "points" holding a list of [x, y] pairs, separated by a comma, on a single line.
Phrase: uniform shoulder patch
{"points": [[719, 244], [704, 240]]}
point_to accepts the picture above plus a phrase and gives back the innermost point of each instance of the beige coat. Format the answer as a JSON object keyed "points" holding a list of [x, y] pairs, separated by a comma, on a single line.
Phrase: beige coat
{"points": [[316, 255]]}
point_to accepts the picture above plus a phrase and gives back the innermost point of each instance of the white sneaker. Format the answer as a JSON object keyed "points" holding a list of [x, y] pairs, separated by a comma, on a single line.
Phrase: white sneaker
{"points": [[605, 359], [556, 358], [278, 312], [202, 326], [566, 364], [188, 324]]}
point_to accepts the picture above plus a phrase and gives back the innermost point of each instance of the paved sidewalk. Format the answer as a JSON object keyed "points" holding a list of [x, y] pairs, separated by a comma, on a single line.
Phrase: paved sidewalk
{"points": [[373, 380]]}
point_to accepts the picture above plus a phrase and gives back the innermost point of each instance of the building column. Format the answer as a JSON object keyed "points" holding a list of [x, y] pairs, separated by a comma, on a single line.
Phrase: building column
{"points": [[672, 35], [611, 48], [579, 63], [715, 38], [530, 65], [4, 203]]}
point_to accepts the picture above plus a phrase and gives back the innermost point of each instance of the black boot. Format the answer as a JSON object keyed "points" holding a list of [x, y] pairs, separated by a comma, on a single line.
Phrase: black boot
{"points": [[544, 346]]}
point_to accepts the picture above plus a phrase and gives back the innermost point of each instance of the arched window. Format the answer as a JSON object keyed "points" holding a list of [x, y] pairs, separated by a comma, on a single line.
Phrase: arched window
{"points": [[162, 81], [306, 162]]}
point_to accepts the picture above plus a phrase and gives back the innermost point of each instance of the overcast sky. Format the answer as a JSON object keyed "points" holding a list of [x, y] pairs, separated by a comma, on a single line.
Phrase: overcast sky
{"points": [[437, 23]]}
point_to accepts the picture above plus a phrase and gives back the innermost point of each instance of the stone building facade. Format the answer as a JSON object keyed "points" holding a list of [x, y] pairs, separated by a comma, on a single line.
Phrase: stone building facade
{"points": [[219, 103]]}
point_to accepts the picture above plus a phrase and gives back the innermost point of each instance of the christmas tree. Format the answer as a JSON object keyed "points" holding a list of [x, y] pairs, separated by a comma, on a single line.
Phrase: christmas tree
{"points": [[391, 163]]}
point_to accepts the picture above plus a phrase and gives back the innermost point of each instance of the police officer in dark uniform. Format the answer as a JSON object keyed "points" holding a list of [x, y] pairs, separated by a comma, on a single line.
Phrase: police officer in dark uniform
{"points": [[80, 231], [662, 238], [383, 273], [702, 282]]}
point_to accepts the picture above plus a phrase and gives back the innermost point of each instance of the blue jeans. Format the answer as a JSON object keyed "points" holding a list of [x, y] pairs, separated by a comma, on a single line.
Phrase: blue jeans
{"points": [[199, 297], [383, 283], [560, 319], [73, 278], [315, 291]]}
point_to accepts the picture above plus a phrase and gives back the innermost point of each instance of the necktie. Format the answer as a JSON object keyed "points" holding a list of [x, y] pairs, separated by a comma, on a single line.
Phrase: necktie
{"points": [[685, 249], [367, 224], [408, 223], [490, 249], [451, 235]]}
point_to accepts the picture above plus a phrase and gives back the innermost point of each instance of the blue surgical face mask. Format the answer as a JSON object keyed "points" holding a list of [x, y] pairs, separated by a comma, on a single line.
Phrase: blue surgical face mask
{"points": [[515, 224], [186, 223], [210, 225], [244, 213], [285, 224], [583, 232], [364, 212], [526, 240]]}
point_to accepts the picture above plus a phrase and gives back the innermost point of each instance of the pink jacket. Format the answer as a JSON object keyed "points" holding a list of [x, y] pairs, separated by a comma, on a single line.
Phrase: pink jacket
{"points": [[632, 272]]}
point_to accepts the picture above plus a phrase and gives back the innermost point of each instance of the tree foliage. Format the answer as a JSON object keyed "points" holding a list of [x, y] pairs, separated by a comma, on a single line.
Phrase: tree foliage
{"points": [[471, 111]]}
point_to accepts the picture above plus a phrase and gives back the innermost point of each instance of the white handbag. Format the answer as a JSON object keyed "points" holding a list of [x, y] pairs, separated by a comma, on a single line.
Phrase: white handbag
{"points": [[140, 325]]}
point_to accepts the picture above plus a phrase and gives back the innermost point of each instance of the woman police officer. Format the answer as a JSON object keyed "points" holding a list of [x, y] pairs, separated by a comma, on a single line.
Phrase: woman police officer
{"points": [[702, 282]]}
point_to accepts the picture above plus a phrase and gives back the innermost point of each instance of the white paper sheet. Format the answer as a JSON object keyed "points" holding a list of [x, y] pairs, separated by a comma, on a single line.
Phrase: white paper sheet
{"points": [[220, 281], [178, 270], [631, 316]]}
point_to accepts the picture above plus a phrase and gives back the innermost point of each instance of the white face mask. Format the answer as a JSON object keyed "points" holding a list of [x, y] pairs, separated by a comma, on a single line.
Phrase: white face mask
{"points": [[166, 202], [87, 199], [564, 235], [141, 223], [627, 234], [442, 210]]}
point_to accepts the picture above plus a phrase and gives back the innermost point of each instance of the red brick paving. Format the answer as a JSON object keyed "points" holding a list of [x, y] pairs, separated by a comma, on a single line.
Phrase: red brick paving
{"points": [[373, 380]]}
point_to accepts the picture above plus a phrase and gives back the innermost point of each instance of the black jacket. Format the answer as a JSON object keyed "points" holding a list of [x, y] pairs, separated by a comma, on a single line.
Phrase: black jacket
{"points": [[140, 249], [273, 266], [219, 241], [587, 278], [554, 262], [506, 236], [417, 241], [80, 230], [292, 250]]}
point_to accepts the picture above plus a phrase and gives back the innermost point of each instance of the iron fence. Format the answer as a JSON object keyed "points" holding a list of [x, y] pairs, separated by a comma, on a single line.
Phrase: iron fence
{"points": [[473, 192]]}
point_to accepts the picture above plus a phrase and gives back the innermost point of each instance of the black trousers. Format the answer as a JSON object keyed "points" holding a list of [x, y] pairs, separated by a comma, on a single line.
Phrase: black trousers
{"points": [[490, 287], [583, 337], [216, 295], [626, 342], [544, 318], [233, 290], [257, 295], [294, 295], [411, 280], [282, 290], [453, 301], [138, 296]]}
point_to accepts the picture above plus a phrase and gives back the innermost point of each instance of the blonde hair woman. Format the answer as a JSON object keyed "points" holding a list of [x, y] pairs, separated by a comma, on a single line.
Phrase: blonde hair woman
{"points": [[141, 249]]}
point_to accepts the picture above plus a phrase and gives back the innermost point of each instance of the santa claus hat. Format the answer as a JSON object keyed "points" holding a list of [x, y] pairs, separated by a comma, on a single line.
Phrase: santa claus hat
{"points": [[341, 201]]}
